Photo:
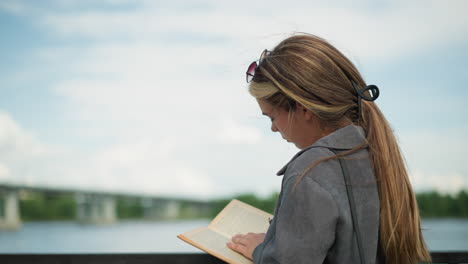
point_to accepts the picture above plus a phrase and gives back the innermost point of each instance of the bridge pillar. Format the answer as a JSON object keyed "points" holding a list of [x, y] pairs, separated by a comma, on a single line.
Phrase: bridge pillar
{"points": [[160, 209], [95, 208], [172, 209], [197, 209], [9, 210]]}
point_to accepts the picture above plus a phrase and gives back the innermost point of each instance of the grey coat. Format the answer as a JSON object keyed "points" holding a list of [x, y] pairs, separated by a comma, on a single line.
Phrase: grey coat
{"points": [[312, 221]]}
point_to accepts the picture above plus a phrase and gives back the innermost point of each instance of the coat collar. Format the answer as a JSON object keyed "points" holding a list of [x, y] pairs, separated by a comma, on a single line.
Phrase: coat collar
{"points": [[344, 138]]}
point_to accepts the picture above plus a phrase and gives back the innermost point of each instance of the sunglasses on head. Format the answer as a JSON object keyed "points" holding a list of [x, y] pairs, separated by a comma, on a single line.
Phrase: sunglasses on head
{"points": [[253, 66]]}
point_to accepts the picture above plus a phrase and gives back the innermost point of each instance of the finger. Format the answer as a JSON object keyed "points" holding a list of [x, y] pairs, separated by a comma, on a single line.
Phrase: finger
{"points": [[240, 240], [236, 238], [239, 236], [238, 247]]}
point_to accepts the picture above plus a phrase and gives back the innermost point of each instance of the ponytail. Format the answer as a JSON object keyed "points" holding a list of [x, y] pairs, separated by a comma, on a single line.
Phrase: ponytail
{"points": [[400, 229]]}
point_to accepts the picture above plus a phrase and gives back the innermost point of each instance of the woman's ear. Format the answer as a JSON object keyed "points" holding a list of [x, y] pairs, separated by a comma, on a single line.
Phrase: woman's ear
{"points": [[306, 113]]}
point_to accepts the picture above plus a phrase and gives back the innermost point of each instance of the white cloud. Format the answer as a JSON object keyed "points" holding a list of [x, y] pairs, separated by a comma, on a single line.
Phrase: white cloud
{"points": [[13, 7], [399, 29], [165, 167], [15, 142], [437, 159], [365, 33], [4, 172], [146, 167], [98, 24], [24, 159], [448, 182], [171, 89], [166, 82], [233, 132]]}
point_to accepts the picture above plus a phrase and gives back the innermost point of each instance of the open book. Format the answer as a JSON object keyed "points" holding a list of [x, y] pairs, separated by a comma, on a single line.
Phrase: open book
{"points": [[236, 218]]}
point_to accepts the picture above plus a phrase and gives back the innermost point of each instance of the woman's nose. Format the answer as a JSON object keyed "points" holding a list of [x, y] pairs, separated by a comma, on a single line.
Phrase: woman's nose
{"points": [[274, 128]]}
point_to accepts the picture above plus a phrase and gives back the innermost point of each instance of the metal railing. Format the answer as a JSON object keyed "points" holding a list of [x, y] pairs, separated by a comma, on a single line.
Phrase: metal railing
{"points": [[169, 258]]}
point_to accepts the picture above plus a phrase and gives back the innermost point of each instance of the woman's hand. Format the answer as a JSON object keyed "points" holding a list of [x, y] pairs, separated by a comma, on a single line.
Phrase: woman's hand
{"points": [[246, 244]]}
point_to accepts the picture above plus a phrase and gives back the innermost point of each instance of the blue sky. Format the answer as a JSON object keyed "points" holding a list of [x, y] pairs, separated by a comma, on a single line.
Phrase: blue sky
{"points": [[147, 96]]}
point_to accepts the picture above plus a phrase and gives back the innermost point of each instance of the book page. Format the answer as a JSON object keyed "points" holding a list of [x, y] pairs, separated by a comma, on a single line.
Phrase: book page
{"points": [[214, 243], [236, 218], [240, 218]]}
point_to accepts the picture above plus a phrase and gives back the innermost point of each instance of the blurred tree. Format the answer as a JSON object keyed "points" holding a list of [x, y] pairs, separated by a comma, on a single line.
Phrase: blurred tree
{"points": [[128, 208], [47, 206], [36, 206]]}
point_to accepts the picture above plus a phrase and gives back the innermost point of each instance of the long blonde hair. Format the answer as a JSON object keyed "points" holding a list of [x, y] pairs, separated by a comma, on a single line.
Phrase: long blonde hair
{"points": [[306, 69]]}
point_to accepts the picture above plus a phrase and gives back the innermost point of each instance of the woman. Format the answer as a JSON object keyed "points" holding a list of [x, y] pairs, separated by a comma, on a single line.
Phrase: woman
{"points": [[345, 197]]}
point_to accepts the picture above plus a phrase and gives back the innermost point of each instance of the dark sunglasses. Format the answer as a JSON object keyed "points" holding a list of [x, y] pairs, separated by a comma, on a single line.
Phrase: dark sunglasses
{"points": [[253, 66]]}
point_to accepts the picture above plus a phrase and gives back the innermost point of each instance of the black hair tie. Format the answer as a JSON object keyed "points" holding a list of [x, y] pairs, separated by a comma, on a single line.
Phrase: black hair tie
{"points": [[373, 91]]}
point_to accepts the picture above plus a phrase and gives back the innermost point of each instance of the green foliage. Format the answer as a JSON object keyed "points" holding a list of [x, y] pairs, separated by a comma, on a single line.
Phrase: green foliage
{"points": [[189, 210], [433, 204], [128, 208], [2, 208], [266, 204], [462, 203], [44, 206], [36, 206]]}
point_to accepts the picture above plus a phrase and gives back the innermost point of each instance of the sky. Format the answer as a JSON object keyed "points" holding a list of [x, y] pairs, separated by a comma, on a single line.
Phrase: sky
{"points": [[150, 96]]}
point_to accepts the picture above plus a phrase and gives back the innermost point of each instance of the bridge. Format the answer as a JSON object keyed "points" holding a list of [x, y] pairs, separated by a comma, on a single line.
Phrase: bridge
{"points": [[96, 207]]}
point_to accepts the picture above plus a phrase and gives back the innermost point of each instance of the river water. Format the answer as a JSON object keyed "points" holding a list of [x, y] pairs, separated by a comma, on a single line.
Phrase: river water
{"points": [[159, 237]]}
